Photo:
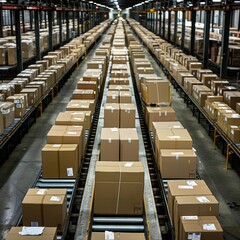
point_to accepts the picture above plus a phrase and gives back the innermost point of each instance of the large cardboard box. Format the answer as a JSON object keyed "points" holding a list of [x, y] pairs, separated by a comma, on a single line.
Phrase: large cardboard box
{"points": [[84, 94], [118, 88], [129, 144], [231, 98], [20, 105], [75, 105], [32, 95], [200, 227], [119, 81], [111, 115], [60, 160], [185, 188], [110, 144], [113, 97], [208, 78], [127, 115], [234, 133], [87, 85], [159, 114], [8, 112], [45, 207], [119, 188], [49, 233], [194, 206], [125, 97], [118, 236], [180, 163]]}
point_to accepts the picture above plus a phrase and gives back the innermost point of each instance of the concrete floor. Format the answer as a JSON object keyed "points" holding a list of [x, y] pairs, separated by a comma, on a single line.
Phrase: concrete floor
{"points": [[211, 165], [19, 172]]}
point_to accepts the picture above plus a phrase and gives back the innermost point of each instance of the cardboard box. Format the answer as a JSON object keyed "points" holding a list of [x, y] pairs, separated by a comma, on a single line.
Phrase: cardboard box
{"points": [[8, 112], [234, 133], [193, 206], [110, 144], [125, 97], [49, 233], [215, 84], [113, 97], [118, 88], [32, 95], [111, 115], [39, 207], [78, 106], [127, 115], [159, 114], [87, 85], [208, 78], [119, 195], [203, 227], [200, 72], [185, 188], [189, 82], [118, 236], [231, 98], [180, 163], [129, 144], [84, 94], [60, 160]]}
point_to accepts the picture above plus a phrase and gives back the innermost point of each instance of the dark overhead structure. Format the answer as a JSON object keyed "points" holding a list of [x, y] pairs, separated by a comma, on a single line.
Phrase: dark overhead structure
{"points": [[122, 3]]}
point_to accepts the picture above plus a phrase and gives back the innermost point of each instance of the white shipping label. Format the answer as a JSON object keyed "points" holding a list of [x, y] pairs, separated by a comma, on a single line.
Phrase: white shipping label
{"points": [[114, 129], [41, 191], [69, 172], [110, 140], [56, 145], [185, 187], [109, 235], [165, 113], [16, 101], [129, 140], [189, 217], [72, 133], [209, 227], [5, 111], [18, 105], [232, 132], [202, 199], [176, 127], [194, 236], [177, 153], [55, 199], [234, 126], [128, 164], [191, 183], [174, 137]]}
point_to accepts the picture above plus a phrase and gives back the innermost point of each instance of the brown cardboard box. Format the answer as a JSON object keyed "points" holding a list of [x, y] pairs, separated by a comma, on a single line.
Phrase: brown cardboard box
{"points": [[202, 97], [127, 115], [222, 89], [119, 195], [50, 160], [111, 115], [32, 95], [75, 105], [231, 98], [83, 94], [200, 72], [119, 81], [234, 133], [194, 206], [208, 78], [113, 97], [118, 88], [125, 97], [216, 83], [87, 85], [203, 227], [172, 139], [39, 88], [129, 144], [110, 144], [185, 188], [118, 236], [189, 82], [68, 161], [55, 209], [8, 112], [180, 163], [182, 75], [20, 105], [159, 114], [49, 233]]}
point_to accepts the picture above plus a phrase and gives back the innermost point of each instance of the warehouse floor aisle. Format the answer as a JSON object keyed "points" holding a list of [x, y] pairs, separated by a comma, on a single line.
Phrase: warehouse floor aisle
{"points": [[19, 172], [211, 165]]}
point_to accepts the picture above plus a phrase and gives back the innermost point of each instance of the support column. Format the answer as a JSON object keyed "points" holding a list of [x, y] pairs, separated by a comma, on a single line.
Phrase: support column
{"points": [[175, 28], [193, 19], [225, 43], [206, 39], [18, 41], [183, 29], [50, 30], [37, 36]]}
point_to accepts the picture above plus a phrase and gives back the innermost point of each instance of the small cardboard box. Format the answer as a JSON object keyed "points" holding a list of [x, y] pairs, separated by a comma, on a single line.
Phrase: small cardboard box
{"points": [[125, 97], [32, 95], [8, 112], [87, 85], [113, 97], [84, 94], [74, 105], [185, 188], [180, 163], [127, 115], [194, 206], [111, 115], [110, 144], [234, 133], [129, 144], [118, 88], [49, 233], [200, 227], [119, 195], [159, 114]]}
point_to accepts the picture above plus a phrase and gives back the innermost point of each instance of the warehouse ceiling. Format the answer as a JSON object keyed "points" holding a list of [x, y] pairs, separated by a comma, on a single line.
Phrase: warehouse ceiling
{"points": [[122, 3]]}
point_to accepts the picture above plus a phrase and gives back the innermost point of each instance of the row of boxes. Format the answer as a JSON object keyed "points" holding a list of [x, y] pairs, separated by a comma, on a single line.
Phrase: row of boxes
{"points": [[192, 207]]}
